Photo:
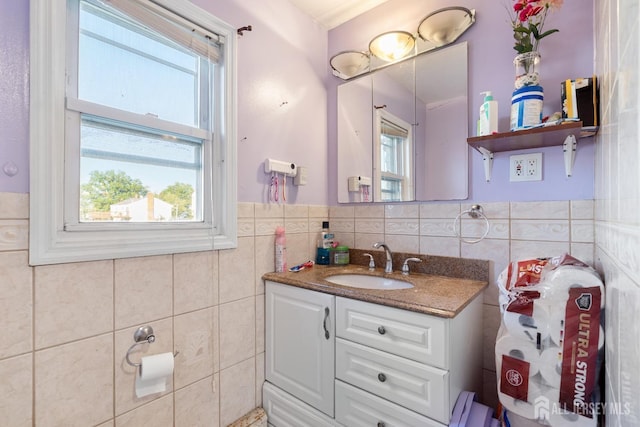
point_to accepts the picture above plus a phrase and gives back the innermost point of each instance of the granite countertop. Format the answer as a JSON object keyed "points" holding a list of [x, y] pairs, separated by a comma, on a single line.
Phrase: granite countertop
{"points": [[432, 294]]}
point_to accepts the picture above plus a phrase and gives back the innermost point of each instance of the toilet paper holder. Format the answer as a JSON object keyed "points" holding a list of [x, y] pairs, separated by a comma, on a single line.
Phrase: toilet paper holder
{"points": [[144, 334]]}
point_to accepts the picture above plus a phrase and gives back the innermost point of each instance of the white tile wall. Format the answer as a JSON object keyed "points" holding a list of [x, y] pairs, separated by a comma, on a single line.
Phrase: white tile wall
{"points": [[617, 228], [66, 328], [209, 306]]}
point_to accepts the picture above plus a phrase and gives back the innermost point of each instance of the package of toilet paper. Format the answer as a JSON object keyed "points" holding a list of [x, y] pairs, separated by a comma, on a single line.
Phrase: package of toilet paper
{"points": [[550, 341]]}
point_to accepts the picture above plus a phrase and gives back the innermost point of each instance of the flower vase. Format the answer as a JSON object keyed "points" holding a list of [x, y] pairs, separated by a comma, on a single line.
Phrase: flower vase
{"points": [[528, 96], [527, 66]]}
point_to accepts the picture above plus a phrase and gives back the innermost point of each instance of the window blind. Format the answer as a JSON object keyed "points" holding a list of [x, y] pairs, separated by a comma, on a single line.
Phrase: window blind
{"points": [[391, 129], [182, 31]]}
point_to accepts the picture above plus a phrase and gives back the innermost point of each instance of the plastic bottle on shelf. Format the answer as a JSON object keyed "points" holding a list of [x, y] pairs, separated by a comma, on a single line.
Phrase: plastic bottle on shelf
{"points": [[281, 250], [488, 115]]}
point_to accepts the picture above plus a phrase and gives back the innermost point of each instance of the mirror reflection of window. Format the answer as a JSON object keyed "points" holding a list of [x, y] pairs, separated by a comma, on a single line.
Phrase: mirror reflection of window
{"points": [[394, 164]]}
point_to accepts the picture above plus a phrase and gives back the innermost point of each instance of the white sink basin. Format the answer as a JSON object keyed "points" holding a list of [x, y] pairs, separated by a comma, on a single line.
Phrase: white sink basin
{"points": [[367, 282]]}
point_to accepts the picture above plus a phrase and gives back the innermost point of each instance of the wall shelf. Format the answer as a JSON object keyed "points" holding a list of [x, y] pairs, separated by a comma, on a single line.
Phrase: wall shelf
{"points": [[565, 134]]}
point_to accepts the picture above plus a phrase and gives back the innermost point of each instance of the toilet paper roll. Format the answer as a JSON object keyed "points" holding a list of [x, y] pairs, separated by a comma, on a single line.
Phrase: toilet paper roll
{"points": [[153, 374], [569, 419], [520, 407], [519, 349], [555, 326], [550, 367], [550, 362], [560, 280], [527, 409], [526, 327]]}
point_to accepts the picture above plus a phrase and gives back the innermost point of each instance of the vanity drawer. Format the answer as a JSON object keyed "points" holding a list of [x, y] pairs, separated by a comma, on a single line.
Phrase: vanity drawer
{"points": [[416, 336], [421, 388], [357, 408], [284, 410]]}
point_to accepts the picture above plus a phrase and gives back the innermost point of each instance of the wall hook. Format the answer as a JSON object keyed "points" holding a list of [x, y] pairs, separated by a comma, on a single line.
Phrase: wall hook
{"points": [[377, 107], [241, 30], [10, 169]]}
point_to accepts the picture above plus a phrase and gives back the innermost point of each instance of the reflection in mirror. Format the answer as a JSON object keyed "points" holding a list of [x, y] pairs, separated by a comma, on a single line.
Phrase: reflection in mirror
{"points": [[394, 116], [441, 153], [355, 136], [425, 96], [393, 158]]}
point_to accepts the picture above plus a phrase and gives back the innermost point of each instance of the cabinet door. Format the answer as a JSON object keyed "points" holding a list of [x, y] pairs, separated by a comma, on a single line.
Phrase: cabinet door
{"points": [[300, 343]]}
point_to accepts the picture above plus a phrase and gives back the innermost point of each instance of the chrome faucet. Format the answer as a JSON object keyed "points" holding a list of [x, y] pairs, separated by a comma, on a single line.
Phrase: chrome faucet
{"points": [[388, 268]]}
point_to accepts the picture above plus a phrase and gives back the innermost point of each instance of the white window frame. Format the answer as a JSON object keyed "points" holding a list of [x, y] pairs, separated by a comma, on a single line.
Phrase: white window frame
{"points": [[408, 192], [50, 241]]}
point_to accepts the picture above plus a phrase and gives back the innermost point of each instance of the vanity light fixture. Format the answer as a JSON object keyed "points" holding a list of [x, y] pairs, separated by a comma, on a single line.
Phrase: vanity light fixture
{"points": [[438, 29], [445, 25], [392, 46], [349, 63]]}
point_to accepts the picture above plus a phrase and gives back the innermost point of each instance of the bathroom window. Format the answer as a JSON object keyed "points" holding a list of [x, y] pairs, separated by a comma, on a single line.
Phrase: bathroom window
{"points": [[393, 158], [132, 130]]}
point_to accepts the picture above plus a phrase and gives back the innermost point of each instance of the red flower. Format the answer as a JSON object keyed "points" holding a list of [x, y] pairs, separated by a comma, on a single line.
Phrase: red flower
{"points": [[528, 20], [524, 13], [535, 10], [529, 11]]}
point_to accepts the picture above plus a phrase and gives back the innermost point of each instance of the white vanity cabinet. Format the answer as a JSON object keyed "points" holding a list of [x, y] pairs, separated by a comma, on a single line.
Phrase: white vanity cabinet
{"points": [[387, 366], [300, 343]]}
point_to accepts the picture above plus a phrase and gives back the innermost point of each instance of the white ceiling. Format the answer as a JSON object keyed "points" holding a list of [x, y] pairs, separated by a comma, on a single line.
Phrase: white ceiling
{"points": [[331, 13]]}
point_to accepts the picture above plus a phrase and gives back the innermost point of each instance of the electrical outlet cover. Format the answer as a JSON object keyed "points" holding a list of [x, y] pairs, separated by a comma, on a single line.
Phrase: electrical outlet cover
{"points": [[525, 167]]}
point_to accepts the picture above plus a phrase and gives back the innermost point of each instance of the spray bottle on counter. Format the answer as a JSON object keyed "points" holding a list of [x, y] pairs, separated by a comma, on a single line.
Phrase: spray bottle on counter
{"points": [[281, 250]]}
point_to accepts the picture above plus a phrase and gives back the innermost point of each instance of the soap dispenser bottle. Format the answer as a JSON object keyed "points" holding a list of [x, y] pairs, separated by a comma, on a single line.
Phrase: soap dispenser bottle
{"points": [[488, 115]]}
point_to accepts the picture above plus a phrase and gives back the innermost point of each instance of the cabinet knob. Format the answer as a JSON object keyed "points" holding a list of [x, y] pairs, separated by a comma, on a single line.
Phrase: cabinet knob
{"points": [[382, 330], [380, 424], [382, 378]]}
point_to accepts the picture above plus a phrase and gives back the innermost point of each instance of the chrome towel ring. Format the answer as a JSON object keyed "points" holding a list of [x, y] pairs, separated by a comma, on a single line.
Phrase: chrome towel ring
{"points": [[475, 212]]}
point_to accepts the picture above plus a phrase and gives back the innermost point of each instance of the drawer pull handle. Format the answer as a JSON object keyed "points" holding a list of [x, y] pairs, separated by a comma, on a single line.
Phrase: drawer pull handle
{"points": [[324, 322], [382, 330], [380, 424], [382, 378]]}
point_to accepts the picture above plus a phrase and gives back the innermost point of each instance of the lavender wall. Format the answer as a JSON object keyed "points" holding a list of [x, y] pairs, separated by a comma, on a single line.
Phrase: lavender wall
{"points": [[14, 94], [281, 94], [564, 55], [285, 59]]}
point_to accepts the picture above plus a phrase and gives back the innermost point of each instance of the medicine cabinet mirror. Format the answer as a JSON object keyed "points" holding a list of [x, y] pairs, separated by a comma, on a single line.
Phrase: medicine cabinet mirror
{"points": [[402, 131]]}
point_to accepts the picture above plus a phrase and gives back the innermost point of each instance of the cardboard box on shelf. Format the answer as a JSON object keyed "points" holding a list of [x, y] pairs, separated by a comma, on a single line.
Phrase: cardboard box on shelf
{"points": [[580, 100]]}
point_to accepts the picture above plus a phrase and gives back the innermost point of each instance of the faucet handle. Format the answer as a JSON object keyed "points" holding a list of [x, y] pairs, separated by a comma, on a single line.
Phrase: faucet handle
{"points": [[405, 266], [372, 263]]}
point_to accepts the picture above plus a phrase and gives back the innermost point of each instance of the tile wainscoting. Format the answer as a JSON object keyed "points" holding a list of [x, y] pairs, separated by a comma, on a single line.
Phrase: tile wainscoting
{"points": [[67, 327]]}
